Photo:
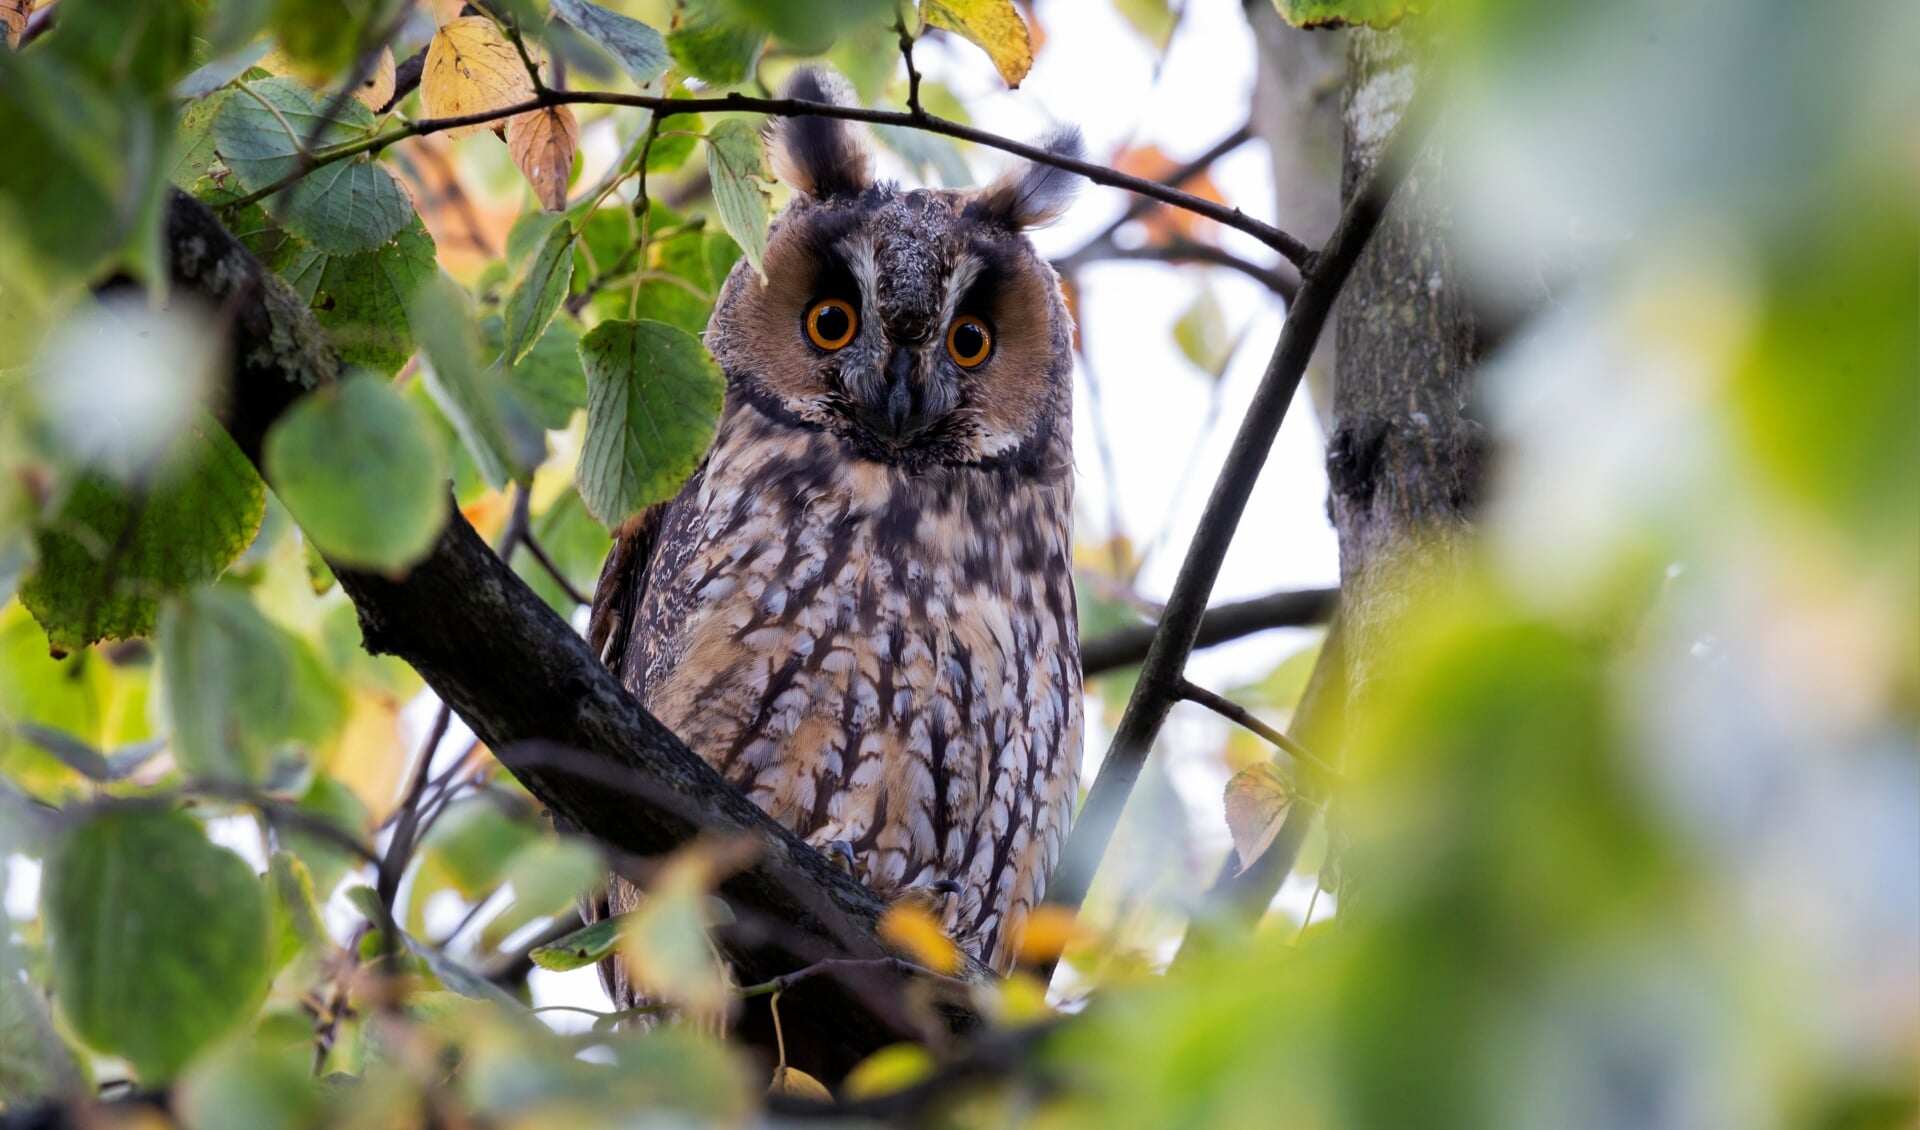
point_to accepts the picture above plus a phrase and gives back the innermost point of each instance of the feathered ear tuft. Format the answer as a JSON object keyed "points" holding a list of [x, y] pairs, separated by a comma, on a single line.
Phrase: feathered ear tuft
{"points": [[1030, 194], [821, 157]]}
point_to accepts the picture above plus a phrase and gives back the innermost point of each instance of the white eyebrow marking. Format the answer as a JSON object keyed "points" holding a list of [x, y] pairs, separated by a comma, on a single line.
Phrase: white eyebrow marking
{"points": [[966, 269], [863, 261]]}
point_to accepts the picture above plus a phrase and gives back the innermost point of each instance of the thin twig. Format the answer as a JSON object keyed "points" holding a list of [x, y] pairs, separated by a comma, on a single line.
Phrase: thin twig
{"points": [[559, 578], [400, 847], [1295, 251], [1241, 716], [1222, 623], [1181, 251], [913, 73], [1162, 674]]}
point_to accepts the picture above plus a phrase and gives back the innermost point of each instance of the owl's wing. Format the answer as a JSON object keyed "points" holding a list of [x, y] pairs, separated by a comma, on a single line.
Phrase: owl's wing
{"points": [[623, 581]]}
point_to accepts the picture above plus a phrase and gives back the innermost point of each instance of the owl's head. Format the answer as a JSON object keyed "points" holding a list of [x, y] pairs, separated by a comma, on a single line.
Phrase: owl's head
{"points": [[918, 325]]}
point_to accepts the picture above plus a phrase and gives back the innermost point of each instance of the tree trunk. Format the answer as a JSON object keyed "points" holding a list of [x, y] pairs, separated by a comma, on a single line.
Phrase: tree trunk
{"points": [[1404, 459]]}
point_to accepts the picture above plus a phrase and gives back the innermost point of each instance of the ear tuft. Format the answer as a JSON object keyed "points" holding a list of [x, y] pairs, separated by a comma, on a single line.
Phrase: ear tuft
{"points": [[1030, 194], [821, 157]]}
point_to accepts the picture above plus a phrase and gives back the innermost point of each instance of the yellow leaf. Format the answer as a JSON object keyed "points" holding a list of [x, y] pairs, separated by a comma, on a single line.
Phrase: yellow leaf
{"points": [[14, 13], [664, 946], [369, 755], [1045, 934], [1257, 801], [542, 143], [377, 89], [893, 1068], [995, 25], [914, 931], [470, 69], [799, 1084]]}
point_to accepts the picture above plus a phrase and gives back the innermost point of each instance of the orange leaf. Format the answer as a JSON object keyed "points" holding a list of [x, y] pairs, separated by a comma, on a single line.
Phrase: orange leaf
{"points": [[1046, 933], [1161, 221], [914, 931], [543, 143]]}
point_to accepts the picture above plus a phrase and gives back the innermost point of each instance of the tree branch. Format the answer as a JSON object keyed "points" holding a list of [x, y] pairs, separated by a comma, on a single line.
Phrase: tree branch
{"points": [[529, 687], [1162, 674], [1273, 237], [1180, 251], [1221, 624]]}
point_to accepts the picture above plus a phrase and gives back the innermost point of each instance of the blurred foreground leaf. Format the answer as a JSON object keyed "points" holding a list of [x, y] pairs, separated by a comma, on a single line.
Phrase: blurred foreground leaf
{"points": [[112, 552], [159, 937], [362, 472]]}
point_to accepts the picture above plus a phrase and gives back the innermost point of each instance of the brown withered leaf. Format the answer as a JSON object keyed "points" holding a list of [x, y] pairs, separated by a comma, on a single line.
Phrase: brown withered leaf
{"points": [[543, 143], [13, 14], [471, 68], [1257, 801]]}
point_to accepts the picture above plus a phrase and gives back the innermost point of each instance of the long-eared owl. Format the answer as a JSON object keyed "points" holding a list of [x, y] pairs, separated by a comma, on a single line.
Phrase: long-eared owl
{"points": [[860, 608]]}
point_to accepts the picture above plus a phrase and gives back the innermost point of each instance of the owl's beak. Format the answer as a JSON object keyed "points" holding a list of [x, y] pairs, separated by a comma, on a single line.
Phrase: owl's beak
{"points": [[897, 416]]}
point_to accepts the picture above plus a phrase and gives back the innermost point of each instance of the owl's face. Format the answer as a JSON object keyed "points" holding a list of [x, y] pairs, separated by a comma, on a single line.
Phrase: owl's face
{"points": [[920, 326]]}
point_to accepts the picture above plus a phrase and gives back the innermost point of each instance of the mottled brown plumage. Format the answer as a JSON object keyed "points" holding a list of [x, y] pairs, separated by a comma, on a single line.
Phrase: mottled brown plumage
{"points": [[860, 608]]}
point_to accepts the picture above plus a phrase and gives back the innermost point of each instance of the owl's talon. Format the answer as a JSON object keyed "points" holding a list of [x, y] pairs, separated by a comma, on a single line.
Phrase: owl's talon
{"points": [[945, 886], [840, 854]]}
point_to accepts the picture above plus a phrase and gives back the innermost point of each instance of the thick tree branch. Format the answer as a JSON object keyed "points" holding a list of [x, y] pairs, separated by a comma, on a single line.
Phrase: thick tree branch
{"points": [[1162, 675], [529, 687], [1221, 624], [1273, 237]]}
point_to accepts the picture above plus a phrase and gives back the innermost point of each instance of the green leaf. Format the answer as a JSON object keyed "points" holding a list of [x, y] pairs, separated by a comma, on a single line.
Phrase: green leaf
{"points": [[653, 403], [346, 207], [548, 877], [363, 301], [548, 381], [253, 1084], [159, 937], [295, 915], [330, 800], [142, 44], [738, 162], [237, 686], [505, 442], [84, 174], [113, 551], [460, 979], [641, 51], [537, 297], [712, 46], [324, 36], [84, 759], [34, 1062], [363, 473], [1341, 13], [471, 845], [1203, 337], [196, 157], [585, 946]]}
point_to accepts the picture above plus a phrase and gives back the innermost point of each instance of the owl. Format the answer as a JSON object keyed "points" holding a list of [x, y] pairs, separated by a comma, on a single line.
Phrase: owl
{"points": [[860, 608]]}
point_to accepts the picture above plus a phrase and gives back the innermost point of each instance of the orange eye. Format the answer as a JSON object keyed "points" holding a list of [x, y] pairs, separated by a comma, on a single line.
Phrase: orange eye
{"points": [[969, 341], [831, 323]]}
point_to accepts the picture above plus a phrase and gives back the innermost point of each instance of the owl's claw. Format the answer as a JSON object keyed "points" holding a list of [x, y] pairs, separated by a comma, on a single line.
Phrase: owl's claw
{"points": [[928, 897], [840, 854]]}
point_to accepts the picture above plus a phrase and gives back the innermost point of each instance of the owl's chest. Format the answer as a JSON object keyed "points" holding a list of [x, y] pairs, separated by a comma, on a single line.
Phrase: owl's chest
{"points": [[808, 616]]}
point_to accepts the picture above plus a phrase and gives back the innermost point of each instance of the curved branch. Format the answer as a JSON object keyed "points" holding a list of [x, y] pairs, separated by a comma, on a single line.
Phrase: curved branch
{"points": [[1273, 237], [1162, 675], [1221, 624]]}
